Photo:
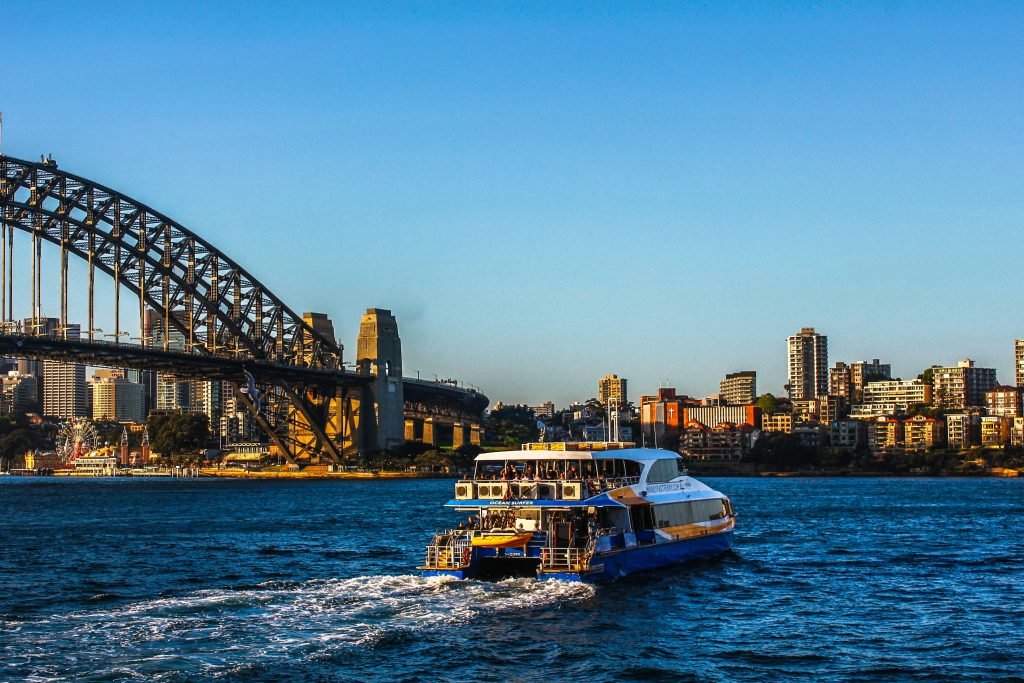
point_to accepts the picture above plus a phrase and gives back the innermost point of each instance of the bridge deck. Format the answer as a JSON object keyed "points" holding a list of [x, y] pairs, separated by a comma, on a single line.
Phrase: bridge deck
{"points": [[180, 363]]}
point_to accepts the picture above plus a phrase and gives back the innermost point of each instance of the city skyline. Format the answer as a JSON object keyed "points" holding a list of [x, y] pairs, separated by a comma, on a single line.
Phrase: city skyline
{"points": [[772, 168]]}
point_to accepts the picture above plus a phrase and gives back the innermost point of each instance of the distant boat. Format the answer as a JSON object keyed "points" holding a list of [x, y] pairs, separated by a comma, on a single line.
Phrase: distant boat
{"points": [[579, 512]]}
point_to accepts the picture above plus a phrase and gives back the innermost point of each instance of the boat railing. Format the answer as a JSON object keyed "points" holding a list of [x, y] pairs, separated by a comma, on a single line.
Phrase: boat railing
{"points": [[449, 550], [565, 559]]}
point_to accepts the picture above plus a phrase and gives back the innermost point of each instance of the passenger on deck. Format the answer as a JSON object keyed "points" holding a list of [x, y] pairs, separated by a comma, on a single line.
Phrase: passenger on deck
{"points": [[573, 474]]}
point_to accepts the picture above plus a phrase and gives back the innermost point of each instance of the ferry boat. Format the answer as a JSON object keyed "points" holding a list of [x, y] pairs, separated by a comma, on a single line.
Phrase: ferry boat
{"points": [[579, 512]]}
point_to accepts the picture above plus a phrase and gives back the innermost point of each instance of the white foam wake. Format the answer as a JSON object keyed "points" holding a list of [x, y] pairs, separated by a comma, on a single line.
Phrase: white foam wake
{"points": [[221, 629]]}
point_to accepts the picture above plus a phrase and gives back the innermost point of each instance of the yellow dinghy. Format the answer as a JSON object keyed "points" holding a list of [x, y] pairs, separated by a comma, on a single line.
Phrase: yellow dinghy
{"points": [[501, 538]]}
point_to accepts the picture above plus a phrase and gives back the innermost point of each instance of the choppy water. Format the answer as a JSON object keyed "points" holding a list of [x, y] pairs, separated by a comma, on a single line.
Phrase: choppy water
{"points": [[830, 579]]}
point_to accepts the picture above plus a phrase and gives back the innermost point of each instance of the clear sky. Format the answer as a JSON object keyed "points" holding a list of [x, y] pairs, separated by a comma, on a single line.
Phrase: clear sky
{"points": [[546, 192]]}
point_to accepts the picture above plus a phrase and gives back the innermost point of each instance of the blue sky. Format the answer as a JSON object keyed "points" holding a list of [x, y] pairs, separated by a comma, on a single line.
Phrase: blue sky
{"points": [[544, 192]]}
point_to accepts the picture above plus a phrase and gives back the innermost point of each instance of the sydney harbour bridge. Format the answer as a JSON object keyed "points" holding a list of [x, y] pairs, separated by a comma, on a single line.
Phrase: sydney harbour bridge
{"points": [[201, 315]]}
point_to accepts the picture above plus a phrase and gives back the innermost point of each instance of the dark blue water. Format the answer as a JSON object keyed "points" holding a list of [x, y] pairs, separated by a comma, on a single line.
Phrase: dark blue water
{"points": [[830, 579]]}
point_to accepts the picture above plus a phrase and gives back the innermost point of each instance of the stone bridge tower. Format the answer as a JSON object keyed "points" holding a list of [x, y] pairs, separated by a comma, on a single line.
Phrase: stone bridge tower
{"points": [[379, 354]]}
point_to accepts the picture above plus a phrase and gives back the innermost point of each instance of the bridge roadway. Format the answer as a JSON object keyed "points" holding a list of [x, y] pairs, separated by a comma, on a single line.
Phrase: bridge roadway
{"points": [[179, 363], [427, 403]]}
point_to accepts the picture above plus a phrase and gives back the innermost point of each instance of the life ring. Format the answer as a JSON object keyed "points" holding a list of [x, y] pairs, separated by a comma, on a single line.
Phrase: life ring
{"points": [[467, 555]]}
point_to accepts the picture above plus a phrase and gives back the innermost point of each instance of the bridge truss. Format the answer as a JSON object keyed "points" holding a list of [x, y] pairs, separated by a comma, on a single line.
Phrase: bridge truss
{"points": [[193, 302]]}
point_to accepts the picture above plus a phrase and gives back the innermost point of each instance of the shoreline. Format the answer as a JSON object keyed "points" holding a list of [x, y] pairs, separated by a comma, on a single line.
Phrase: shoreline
{"points": [[299, 474], [995, 473]]}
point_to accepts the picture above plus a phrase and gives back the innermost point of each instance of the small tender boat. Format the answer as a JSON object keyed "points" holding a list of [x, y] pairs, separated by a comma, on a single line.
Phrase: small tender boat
{"points": [[579, 512], [501, 538]]}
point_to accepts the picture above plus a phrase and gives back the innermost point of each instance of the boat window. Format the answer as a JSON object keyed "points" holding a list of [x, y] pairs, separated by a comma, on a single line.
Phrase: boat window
{"points": [[681, 466], [589, 469], [630, 468], [663, 470], [553, 469], [488, 470], [690, 512], [573, 469]]}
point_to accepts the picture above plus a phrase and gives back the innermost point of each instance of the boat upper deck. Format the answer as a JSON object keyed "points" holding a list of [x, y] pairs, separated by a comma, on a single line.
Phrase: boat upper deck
{"points": [[574, 472]]}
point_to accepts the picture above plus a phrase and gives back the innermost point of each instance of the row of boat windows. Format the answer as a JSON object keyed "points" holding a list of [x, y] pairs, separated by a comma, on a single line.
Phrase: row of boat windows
{"points": [[691, 511], [608, 468]]}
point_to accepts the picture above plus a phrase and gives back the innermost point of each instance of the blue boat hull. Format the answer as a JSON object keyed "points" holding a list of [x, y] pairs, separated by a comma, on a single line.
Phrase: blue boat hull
{"points": [[619, 563], [608, 566]]}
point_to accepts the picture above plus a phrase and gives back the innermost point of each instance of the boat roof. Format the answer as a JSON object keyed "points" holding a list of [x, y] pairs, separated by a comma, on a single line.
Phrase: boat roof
{"points": [[589, 450]]}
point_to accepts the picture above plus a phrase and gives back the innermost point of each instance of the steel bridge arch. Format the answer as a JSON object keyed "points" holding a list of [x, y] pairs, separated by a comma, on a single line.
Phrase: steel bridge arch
{"points": [[196, 288]]}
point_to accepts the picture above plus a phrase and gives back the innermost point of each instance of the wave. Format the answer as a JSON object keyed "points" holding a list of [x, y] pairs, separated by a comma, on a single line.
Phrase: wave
{"points": [[275, 621]]}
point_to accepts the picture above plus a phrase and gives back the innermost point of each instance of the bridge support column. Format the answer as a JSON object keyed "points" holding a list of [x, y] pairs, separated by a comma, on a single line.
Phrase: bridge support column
{"points": [[458, 434], [379, 354], [410, 429], [429, 433], [474, 434]]}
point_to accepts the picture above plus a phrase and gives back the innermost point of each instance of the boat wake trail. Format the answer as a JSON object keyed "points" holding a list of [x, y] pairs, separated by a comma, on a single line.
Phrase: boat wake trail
{"points": [[210, 632]]}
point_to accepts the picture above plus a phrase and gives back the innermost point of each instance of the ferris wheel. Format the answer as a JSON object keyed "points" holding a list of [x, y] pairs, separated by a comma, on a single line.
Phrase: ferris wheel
{"points": [[76, 437]]}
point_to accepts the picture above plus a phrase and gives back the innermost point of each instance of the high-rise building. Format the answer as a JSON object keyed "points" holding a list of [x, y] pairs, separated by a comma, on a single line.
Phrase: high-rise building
{"points": [[612, 387], [1018, 355], [962, 386], [739, 387], [808, 364], [839, 381], [46, 327], [65, 394], [172, 393], [236, 423], [118, 399], [207, 397], [19, 393]]}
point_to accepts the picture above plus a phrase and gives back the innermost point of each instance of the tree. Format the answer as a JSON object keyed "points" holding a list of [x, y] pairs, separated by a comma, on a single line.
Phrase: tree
{"points": [[783, 452], [767, 403], [179, 433], [512, 426], [18, 435]]}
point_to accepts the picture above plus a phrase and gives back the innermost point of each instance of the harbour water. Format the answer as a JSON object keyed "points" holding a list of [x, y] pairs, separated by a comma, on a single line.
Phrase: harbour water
{"points": [[182, 580]]}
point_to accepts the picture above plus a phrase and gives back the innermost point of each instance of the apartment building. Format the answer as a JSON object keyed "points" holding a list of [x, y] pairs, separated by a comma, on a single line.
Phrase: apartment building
{"points": [[892, 397], [961, 386], [777, 422], [995, 430], [884, 433], [921, 433], [1003, 401], [725, 442], [1018, 357], [612, 388], [739, 388], [808, 364], [963, 430], [848, 434]]}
